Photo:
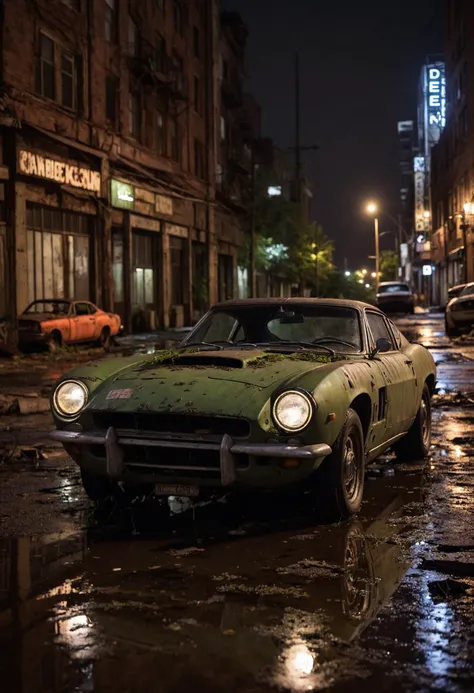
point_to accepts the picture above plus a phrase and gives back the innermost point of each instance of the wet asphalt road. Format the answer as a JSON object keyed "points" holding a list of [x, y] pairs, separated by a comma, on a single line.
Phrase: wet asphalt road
{"points": [[251, 599]]}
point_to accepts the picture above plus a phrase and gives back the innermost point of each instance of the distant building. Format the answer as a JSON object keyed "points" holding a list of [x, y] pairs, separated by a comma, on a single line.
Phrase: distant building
{"points": [[406, 147], [124, 156], [452, 161]]}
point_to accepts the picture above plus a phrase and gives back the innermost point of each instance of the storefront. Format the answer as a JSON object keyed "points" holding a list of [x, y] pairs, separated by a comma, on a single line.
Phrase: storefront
{"points": [[56, 222], [60, 261]]}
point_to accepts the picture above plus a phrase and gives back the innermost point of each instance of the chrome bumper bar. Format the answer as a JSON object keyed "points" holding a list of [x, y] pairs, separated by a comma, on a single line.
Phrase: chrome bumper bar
{"points": [[227, 449]]}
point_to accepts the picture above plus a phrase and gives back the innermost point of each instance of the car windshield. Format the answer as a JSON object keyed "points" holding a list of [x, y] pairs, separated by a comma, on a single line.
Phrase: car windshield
{"points": [[327, 327], [49, 307], [468, 290], [392, 288]]}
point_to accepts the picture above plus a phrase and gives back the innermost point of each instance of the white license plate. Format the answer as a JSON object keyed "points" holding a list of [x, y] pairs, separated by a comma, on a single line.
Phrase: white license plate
{"points": [[176, 490]]}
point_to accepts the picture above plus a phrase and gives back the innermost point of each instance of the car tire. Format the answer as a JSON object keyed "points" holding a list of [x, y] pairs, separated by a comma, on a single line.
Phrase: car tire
{"points": [[53, 342], [450, 331], [105, 339], [416, 443], [339, 481]]}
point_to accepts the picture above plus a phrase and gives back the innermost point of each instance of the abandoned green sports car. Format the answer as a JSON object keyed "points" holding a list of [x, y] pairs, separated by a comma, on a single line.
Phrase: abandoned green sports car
{"points": [[262, 394]]}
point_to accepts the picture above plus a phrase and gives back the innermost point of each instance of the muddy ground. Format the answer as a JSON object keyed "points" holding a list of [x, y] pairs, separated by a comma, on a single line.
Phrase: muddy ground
{"points": [[222, 598]]}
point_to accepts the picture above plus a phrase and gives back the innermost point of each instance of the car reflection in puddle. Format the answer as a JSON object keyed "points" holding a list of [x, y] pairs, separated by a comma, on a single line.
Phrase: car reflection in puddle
{"points": [[226, 611]]}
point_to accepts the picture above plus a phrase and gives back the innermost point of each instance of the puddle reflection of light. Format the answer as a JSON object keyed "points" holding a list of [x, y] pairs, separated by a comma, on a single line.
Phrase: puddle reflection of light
{"points": [[76, 632], [301, 661]]}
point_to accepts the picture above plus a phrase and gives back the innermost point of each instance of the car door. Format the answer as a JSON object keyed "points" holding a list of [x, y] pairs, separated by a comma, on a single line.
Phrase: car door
{"points": [[398, 375], [83, 322]]}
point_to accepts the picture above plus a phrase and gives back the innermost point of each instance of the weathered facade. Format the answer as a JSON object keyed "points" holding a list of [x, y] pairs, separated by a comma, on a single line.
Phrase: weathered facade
{"points": [[452, 172], [112, 156]]}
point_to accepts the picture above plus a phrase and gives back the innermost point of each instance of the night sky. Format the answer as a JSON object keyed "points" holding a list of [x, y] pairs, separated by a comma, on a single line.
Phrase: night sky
{"points": [[360, 62]]}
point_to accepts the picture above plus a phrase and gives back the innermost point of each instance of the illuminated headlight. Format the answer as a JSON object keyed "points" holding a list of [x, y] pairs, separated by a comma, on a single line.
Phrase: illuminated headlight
{"points": [[70, 398], [292, 411]]}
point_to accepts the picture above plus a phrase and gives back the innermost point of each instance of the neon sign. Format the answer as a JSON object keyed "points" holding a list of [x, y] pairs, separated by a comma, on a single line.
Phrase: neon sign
{"points": [[436, 96]]}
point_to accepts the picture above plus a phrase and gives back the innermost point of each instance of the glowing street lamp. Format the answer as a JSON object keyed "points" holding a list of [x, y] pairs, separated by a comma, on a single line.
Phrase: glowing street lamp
{"points": [[372, 210]]}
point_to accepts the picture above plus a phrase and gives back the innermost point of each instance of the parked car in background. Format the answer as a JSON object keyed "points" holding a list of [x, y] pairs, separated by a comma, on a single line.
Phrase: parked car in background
{"points": [[455, 291], [395, 297], [263, 394], [55, 322], [459, 316]]}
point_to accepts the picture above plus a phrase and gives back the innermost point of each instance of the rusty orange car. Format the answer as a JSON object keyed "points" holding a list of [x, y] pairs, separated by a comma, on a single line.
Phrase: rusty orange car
{"points": [[56, 322]]}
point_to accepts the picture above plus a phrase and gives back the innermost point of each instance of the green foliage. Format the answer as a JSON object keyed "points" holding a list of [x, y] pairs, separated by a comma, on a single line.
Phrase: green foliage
{"points": [[388, 265]]}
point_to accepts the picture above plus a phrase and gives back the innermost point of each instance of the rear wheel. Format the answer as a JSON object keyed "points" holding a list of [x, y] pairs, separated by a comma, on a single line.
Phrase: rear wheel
{"points": [[339, 482], [54, 342], [416, 444], [104, 339]]}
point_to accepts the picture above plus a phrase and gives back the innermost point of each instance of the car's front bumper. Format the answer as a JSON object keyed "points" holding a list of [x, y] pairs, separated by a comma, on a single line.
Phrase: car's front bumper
{"points": [[114, 462]]}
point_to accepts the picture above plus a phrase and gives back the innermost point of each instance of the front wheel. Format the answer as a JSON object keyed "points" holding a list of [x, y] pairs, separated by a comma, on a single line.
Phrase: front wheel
{"points": [[450, 331], [416, 444], [339, 482]]}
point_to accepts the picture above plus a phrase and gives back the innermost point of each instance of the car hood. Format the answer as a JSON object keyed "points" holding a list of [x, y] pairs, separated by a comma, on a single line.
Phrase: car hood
{"points": [[459, 300], [227, 383]]}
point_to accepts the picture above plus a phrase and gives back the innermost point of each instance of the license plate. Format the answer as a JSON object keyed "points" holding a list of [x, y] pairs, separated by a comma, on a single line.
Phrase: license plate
{"points": [[176, 490]]}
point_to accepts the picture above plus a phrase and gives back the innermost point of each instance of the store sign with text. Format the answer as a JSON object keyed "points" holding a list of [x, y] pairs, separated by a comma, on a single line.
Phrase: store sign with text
{"points": [[63, 172], [435, 82], [421, 221], [122, 194]]}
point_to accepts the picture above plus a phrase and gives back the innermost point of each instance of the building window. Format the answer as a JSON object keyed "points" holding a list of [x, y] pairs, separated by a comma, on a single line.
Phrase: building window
{"points": [[67, 80], [45, 68], [177, 271], [198, 159], [110, 21], [178, 17], [111, 91], [223, 128], [133, 38], [175, 148], [197, 95], [134, 115], [196, 42], [160, 133]]}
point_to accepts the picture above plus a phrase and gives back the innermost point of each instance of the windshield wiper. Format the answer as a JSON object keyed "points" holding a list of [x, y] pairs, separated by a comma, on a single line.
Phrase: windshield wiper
{"points": [[214, 345], [307, 345]]}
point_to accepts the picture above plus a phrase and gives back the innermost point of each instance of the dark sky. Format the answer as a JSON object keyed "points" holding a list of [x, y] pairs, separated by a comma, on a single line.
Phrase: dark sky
{"points": [[360, 62]]}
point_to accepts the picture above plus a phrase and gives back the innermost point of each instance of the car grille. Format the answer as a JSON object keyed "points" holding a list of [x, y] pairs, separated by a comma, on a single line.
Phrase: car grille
{"points": [[173, 423], [142, 459]]}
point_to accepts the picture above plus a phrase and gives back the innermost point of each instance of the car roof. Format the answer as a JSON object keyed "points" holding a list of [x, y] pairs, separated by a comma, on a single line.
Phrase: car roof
{"points": [[340, 302], [459, 286]]}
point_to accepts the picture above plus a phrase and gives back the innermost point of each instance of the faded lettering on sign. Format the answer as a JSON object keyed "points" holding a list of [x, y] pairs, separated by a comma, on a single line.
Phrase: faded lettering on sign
{"points": [[124, 393]]}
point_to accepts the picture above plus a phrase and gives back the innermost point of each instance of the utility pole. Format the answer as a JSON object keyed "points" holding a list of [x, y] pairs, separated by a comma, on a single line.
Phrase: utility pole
{"points": [[253, 240], [377, 253]]}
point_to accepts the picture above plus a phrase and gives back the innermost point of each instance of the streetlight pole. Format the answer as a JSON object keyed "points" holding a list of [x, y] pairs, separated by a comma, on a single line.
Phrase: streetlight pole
{"points": [[377, 253]]}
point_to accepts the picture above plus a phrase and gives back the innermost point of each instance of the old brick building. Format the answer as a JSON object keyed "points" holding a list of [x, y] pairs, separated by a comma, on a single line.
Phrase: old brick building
{"points": [[452, 176], [124, 155]]}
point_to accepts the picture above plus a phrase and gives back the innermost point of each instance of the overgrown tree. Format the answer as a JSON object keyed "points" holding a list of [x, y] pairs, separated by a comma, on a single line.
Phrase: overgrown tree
{"points": [[388, 265]]}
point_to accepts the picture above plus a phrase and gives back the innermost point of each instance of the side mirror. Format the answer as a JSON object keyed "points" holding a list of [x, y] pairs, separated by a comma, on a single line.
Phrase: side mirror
{"points": [[383, 345]]}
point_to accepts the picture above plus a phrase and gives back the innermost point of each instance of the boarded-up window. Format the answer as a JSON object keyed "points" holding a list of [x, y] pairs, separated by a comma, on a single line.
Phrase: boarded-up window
{"points": [[58, 251]]}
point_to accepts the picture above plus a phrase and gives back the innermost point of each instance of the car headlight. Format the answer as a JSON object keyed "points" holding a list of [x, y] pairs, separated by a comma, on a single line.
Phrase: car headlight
{"points": [[70, 397], [292, 410]]}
